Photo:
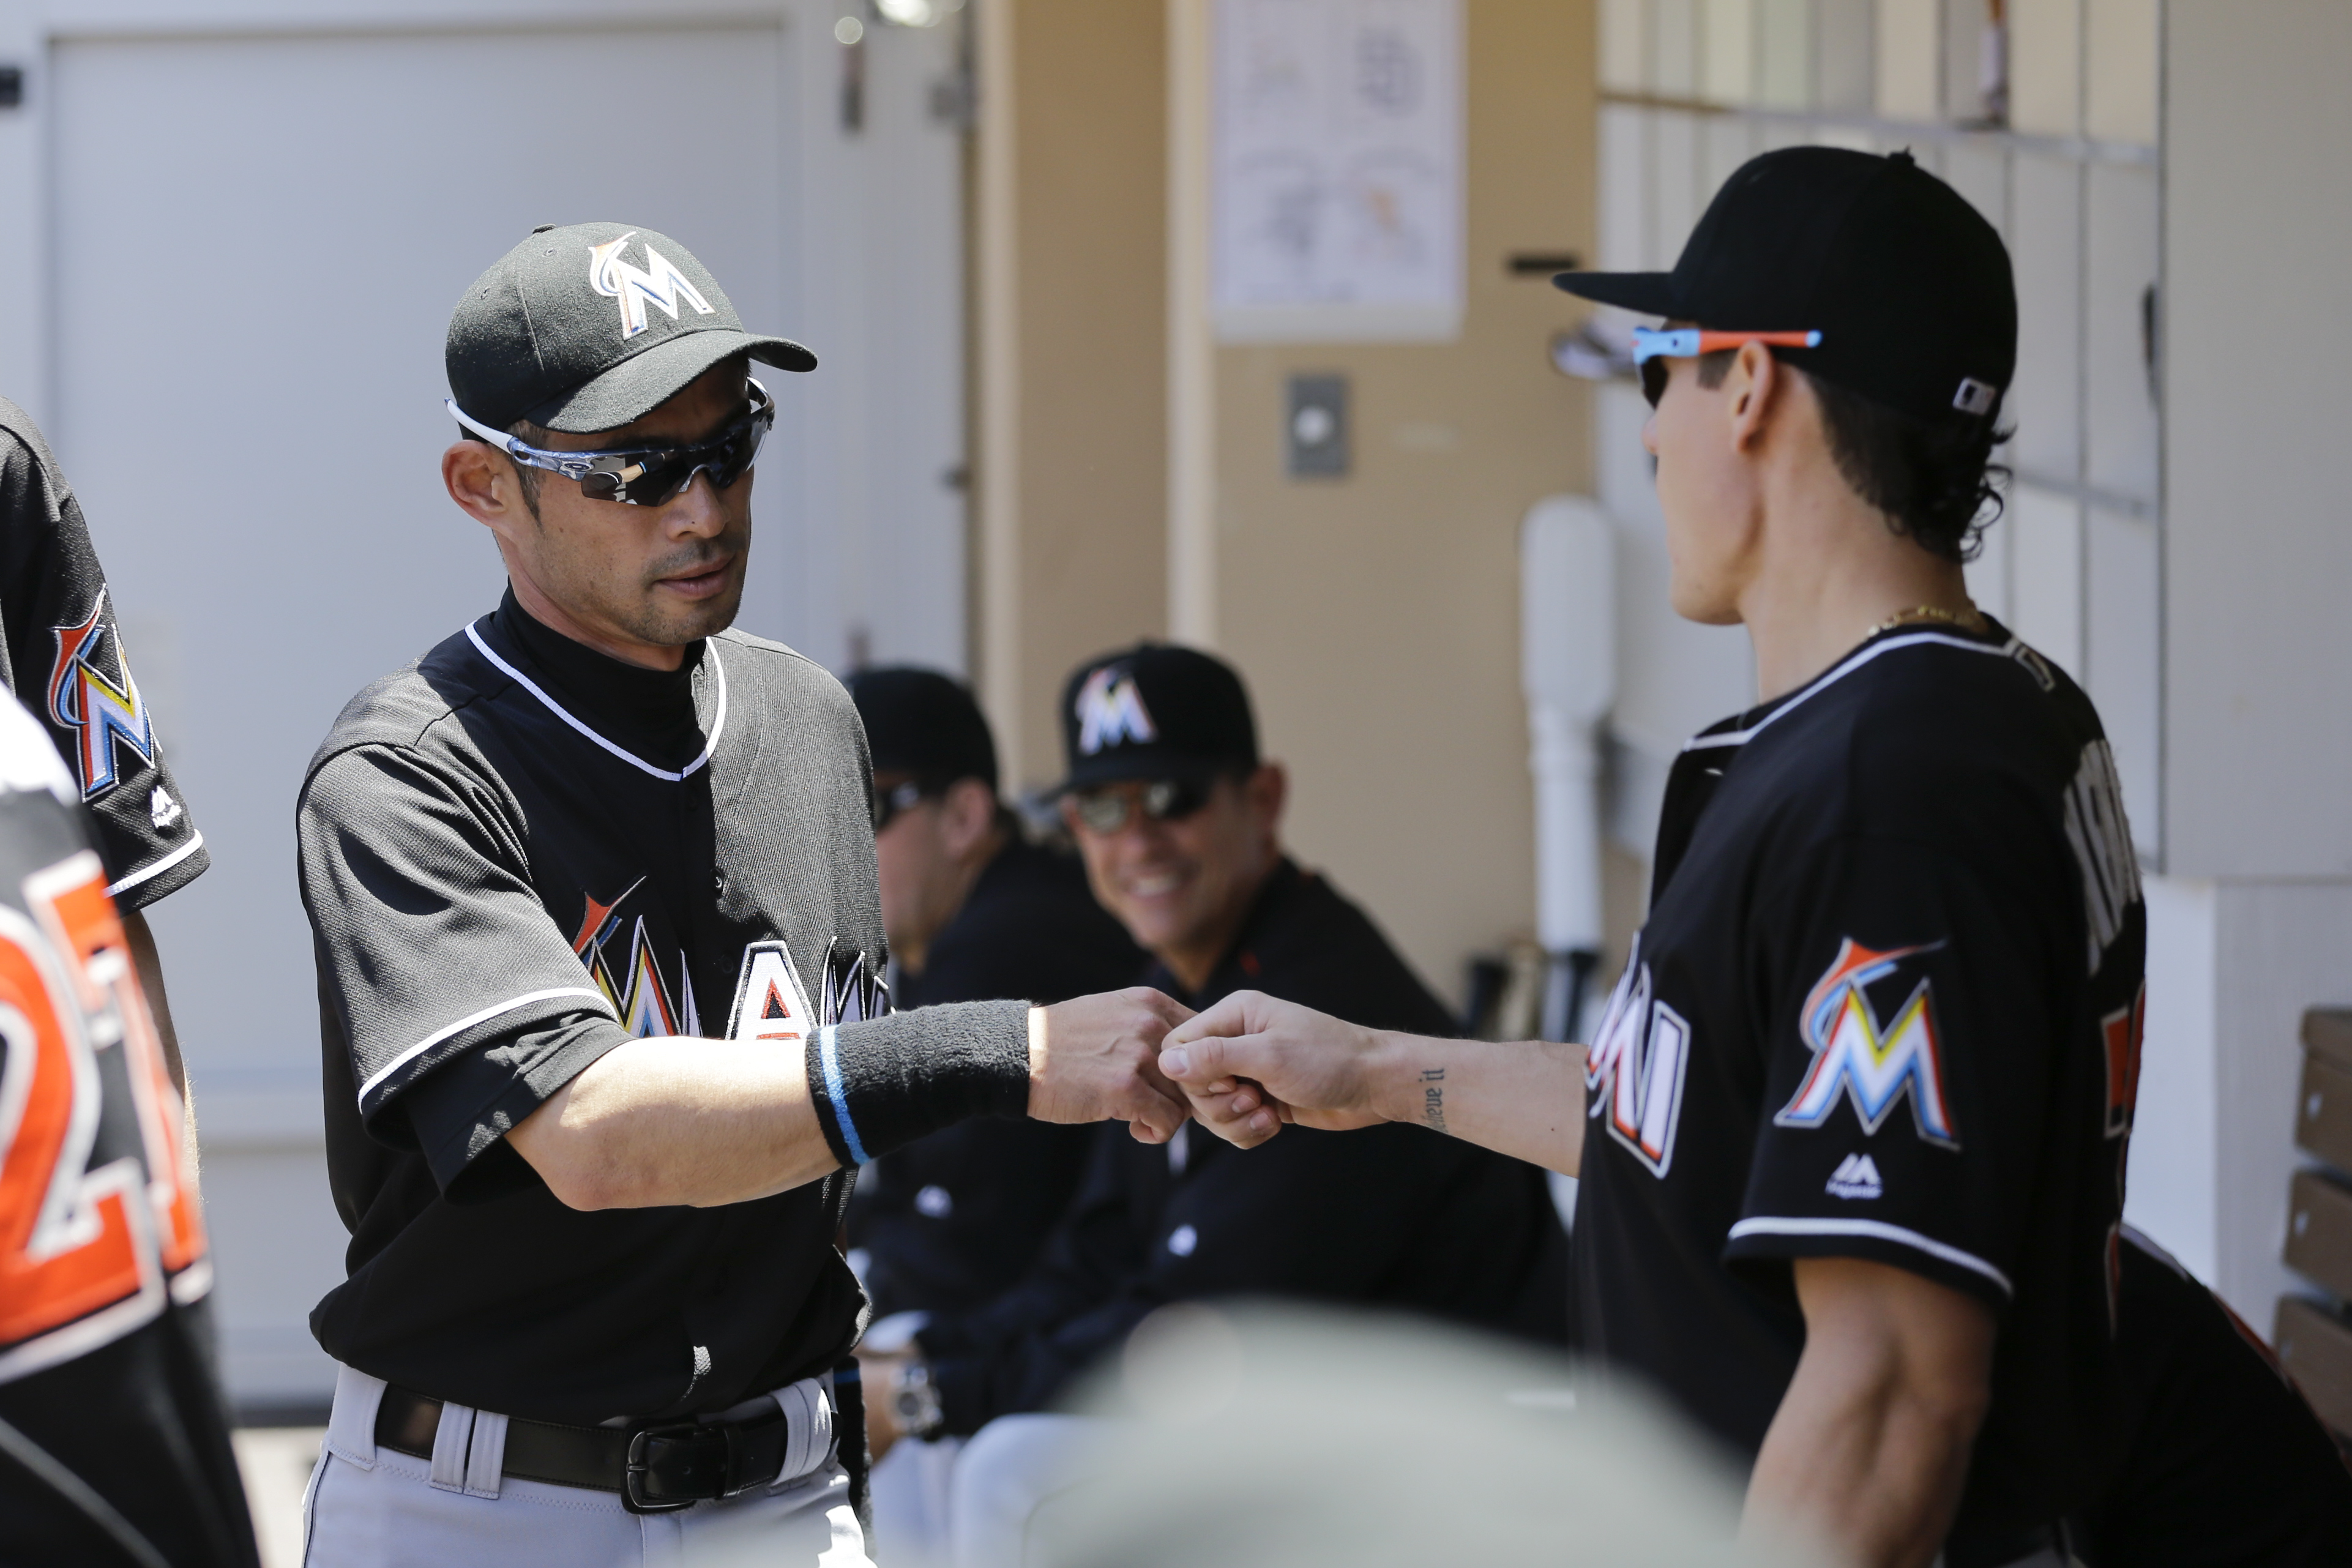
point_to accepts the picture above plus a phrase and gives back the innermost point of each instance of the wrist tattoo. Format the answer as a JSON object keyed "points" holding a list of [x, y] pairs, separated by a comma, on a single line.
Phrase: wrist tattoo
{"points": [[1432, 1099]]}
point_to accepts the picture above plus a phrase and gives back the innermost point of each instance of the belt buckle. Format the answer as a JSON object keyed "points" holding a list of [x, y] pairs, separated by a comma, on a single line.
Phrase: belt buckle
{"points": [[675, 1464]]}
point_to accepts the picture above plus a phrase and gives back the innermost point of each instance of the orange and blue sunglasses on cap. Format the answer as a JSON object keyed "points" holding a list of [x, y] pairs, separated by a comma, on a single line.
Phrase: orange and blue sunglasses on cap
{"points": [[1651, 344]]}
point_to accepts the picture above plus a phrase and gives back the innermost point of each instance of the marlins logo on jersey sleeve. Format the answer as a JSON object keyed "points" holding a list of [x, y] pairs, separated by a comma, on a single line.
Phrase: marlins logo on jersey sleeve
{"points": [[91, 693], [1855, 1057]]}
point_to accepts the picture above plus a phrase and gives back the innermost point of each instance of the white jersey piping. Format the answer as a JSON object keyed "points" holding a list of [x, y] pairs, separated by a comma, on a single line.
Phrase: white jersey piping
{"points": [[156, 868], [717, 720], [1880, 1230], [1741, 737], [462, 1025]]}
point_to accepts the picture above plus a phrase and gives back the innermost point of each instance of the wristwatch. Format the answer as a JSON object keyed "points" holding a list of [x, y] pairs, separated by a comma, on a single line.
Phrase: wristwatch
{"points": [[915, 1400]]}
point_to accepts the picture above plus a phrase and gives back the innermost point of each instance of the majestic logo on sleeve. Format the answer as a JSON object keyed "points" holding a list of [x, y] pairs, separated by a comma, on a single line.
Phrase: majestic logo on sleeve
{"points": [[102, 704], [2101, 837], [660, 281], [1633, 1073], [1110, 711], [1856, 1059], [641, 998]]}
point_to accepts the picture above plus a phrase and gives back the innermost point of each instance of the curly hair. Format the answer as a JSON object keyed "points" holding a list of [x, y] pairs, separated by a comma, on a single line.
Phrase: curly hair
{"points": [[1935, 483]]}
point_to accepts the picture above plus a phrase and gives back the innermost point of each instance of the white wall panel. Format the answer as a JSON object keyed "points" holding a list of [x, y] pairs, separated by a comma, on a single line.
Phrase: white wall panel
{"points": [[2258, 473], [2123, 656], [1674, 47], [2045, 574], [2045, 248], [2119, 272]]}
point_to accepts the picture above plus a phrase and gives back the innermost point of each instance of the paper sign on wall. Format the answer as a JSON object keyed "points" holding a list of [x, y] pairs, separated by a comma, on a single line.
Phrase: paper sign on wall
{"points": [[1336, 171]]}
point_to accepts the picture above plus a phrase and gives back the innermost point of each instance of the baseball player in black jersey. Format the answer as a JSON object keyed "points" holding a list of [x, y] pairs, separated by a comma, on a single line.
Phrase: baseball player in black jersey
{"points": [[600, 961], [61, 652], [1851, 1133], [113, 1449]]}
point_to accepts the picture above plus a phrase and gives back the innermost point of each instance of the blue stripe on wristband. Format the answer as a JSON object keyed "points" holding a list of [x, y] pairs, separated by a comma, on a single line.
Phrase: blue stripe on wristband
{"points": [[831, 1058]]}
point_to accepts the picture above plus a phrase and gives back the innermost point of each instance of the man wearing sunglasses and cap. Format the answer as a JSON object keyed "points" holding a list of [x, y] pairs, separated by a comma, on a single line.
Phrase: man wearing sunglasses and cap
{"points": [[1177, 817], [600, 975], [1852, 1132]]}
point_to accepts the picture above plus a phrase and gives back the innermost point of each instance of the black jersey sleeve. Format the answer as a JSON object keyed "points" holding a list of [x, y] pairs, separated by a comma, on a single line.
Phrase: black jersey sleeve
{"points": [[1912, 1055], [436, 959], [66, 662]]}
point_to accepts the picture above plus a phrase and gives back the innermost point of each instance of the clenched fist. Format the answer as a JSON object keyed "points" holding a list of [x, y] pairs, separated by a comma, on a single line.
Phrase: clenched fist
{"points": [[1250, 1063], [1096, 1059]]}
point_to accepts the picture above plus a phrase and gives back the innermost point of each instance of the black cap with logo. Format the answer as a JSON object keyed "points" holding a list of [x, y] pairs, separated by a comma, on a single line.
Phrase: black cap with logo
{"points": [[921, 722], [592, 325], [1908, 285], [1155, 712]]}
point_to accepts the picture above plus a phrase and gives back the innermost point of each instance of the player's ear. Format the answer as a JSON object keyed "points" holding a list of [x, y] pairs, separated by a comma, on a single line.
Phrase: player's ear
{"points": [[1756, 381], [1268, 790], [482, 482], [971, 807]]}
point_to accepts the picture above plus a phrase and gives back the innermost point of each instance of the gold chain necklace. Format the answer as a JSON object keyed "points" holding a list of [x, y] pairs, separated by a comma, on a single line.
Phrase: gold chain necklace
{"points": [[1968, 619]]}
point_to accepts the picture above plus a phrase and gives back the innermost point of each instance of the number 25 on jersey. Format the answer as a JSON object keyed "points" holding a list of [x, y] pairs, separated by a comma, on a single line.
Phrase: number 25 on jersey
{"points": [[98, 1212]]}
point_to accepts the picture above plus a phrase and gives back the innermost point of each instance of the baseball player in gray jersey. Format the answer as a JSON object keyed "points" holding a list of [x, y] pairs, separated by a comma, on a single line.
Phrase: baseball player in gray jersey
{"points": [[601, 956]]}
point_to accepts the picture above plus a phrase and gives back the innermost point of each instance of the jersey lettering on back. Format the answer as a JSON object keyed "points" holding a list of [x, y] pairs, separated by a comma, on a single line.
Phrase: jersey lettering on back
{"points": [[2102, 840], [99, 1217]]}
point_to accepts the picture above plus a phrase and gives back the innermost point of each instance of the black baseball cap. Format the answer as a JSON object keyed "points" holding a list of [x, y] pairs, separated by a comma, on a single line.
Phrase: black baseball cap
{"points": [[591, 325], [922, 722], [1909, 287], [1155, 711]]}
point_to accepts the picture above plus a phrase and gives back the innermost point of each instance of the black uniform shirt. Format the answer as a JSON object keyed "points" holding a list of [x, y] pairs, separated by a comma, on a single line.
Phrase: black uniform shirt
{"points": [[1887, 1005], [952, 1219], [62, 654], [516, 855], [1390, 1215], [2211, 1459], [105, 1363]]}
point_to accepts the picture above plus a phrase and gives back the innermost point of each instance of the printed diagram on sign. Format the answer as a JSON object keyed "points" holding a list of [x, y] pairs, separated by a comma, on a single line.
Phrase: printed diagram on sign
{"points": [[1338, 164]]}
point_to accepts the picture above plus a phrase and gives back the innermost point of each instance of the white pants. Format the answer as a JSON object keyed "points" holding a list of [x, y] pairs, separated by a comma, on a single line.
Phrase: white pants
{"points": [[374, 1508], [910, 1490], [1013, 1470]]}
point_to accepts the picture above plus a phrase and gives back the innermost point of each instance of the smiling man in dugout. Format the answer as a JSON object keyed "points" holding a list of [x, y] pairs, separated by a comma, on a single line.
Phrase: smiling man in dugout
{"points": [[1177, 817]]}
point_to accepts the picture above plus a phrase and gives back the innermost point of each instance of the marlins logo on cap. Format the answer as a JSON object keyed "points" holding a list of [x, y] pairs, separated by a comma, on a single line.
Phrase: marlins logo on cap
{"points": [[1110, 711], [660, 282]]}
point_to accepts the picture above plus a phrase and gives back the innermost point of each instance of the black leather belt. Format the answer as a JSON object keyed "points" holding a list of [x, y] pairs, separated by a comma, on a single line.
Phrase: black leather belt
{"points": [[657, 1468]]}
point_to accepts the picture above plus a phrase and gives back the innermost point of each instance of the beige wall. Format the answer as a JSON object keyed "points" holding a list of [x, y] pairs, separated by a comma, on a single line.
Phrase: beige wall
{"points": [[1072, 469], [1376, 617]]}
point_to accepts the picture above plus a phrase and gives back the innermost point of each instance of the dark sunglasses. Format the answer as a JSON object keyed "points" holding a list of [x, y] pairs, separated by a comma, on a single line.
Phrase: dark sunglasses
{"points": [[892, 804], [1162, 800], [646, 476]]}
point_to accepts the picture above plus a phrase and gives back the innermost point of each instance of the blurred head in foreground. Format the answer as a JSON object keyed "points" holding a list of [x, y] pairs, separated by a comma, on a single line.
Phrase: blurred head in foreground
{"points": [[1280, 1435]]}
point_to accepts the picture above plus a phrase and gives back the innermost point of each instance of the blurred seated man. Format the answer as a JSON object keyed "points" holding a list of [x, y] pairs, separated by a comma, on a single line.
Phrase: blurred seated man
{"points": [[1177, 819], [973, 913], [2210, 1456]]}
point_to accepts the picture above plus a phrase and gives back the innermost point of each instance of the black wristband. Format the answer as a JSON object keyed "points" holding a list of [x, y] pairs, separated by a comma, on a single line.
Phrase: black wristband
{"points": [[881, 1084]]}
